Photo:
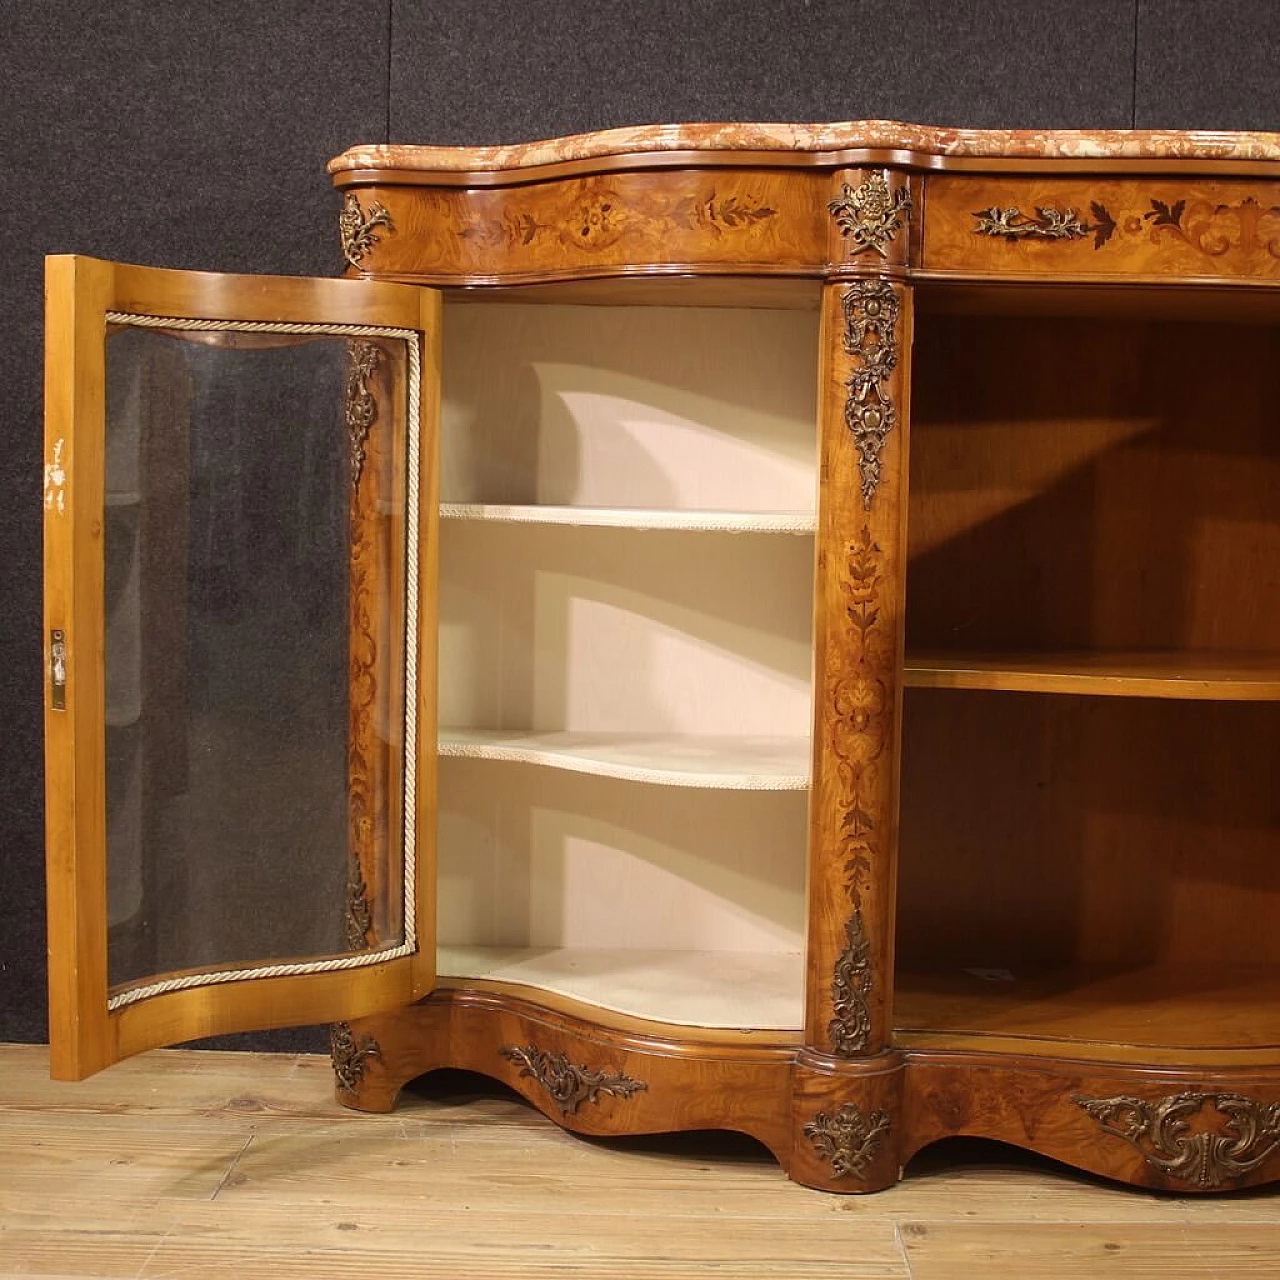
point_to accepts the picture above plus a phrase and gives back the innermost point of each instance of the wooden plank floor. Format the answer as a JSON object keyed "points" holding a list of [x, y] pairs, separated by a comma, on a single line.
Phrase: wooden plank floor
{"points": [[186, 1164]]}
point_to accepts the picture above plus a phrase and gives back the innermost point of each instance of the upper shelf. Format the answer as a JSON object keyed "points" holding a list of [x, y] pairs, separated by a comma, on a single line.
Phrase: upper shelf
{"points": [[796, 522], [1207, 676], [674, 760]]}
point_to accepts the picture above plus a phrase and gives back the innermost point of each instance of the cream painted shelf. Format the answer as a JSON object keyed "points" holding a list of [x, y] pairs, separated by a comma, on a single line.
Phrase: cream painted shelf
{"points": [[732, 990], [674, 760], [793, 522]]}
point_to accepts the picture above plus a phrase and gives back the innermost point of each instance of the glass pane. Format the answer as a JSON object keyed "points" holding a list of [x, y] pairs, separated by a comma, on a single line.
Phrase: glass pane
{"points": [[247, 592]]}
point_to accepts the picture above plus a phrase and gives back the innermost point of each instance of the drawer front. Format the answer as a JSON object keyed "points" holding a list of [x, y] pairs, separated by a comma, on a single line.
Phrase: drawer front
{"points": [[1137, 227]]}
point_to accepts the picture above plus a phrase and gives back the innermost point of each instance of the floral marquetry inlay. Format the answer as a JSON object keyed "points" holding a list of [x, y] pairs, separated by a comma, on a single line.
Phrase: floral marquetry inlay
{"points": [[55, 481], [1209, 227], [861, 710], [366, 802], [604, 217], [1215, 229], [1156, 227]]}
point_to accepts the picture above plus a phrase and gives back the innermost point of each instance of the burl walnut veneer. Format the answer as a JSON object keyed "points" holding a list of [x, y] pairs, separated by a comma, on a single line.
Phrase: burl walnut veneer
{"points": [[944, 803]]}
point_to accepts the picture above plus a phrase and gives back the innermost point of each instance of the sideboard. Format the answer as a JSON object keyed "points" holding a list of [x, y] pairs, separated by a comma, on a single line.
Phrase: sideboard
{"points": [[765, 627]]}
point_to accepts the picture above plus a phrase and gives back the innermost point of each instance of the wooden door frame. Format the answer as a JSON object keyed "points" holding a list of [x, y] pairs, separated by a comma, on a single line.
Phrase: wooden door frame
{"points": [[85, 1034]]}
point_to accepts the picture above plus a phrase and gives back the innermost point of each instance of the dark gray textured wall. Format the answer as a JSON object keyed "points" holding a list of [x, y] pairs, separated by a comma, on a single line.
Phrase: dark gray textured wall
{"points": [[194, 134]]}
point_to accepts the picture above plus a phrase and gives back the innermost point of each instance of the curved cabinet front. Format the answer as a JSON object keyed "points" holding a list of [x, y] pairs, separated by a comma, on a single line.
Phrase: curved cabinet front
{"points": [[1004, 319]]}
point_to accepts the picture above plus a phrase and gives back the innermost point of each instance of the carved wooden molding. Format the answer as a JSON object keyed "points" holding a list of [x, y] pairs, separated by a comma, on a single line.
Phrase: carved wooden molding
{"points": [[569, 1086], [361, 409], [349, 1057], [868, 216], [1207, 1139], [1047, 223], [358, 228], [848, 1139], [871, 310]]}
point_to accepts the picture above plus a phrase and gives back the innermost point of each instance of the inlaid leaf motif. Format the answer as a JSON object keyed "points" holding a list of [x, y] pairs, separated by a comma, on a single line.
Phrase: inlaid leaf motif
{"points": [[1165, 215], [1104, 226]]}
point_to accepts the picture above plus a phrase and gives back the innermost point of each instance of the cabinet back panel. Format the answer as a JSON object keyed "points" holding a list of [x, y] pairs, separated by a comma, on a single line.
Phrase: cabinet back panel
{"points": [[686, 407], [1045, 830], [607, 630], [535, 857], [1094, 485]]}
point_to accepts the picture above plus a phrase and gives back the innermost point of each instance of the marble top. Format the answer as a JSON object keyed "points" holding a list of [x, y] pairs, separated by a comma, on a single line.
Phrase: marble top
{"points": [[877, 135]]}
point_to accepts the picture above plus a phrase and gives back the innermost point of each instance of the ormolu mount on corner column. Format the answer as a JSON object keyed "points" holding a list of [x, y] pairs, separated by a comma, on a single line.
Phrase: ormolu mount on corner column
{"points": [[847, 1082]]}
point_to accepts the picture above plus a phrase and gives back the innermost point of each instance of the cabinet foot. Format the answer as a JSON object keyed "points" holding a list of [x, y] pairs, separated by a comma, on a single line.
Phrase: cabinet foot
{"points": [[846, 1117]]}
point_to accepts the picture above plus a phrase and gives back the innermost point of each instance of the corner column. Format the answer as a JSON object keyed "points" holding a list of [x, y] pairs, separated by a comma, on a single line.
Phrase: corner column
{"points": [[848, 1078]]}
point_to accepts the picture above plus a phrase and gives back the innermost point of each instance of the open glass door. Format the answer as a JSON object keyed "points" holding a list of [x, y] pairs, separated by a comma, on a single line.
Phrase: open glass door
{"points": [[240, 524]]}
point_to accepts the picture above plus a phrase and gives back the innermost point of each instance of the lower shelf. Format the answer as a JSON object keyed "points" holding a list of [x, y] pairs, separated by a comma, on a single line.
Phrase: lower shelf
{"points": [[730, 990], [1155, 1014]]}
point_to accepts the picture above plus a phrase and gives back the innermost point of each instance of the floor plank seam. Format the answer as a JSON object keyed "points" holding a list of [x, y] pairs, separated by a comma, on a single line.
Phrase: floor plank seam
{"points": [[231, 1168], [902, 1250], [155, 1248]]}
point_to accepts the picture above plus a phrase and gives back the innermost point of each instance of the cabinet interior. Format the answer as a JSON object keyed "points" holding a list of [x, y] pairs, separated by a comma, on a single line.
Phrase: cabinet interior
{"points": [[1094, 510], [626, 606], [626, 618]]}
